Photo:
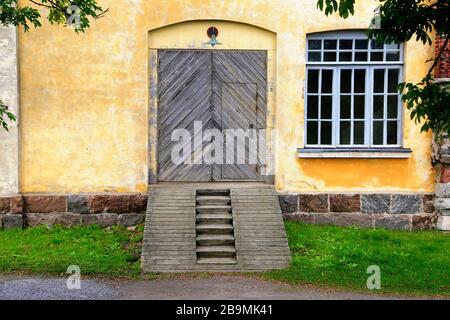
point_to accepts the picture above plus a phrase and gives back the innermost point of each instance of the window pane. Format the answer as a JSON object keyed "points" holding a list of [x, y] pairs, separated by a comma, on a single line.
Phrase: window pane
{"points": [[346, 81], [361, 44], [378, 132], [346, 44], [360, 56], [392, 132], [392, 46], [325, 133], [378, 81], [312, 132], [376, 45], [345, 107], [392, 107], [330, 44], [378, 107], [315, 44], [327, 81], [359, 107], [313, 107], [358, 132], [360, 81], [392, 80], [314, 56], [329, 56], [345, 56], [376, 56], [345, 132], [313, 81], [326, 107], [393, 56]]}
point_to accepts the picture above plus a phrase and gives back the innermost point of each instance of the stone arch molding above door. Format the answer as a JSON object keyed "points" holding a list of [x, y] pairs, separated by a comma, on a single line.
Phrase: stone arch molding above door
{"points": [[192, 35]]}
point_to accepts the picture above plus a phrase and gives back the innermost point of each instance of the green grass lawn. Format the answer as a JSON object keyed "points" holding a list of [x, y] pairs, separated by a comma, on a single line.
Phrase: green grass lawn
{"points": [[114, 252], [410, 262]]}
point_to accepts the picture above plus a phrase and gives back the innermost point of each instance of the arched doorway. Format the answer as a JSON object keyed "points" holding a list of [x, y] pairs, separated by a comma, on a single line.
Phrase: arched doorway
{"points": [[207, 97]]}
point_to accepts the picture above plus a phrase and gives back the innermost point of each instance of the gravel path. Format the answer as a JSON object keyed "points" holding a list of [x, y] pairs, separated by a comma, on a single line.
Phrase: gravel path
{"points": [[212, 288], [54, 289]]}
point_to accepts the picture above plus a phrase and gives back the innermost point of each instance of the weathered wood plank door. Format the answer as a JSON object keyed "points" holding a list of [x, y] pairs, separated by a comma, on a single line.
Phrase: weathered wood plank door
{"points": [[222, 90]]}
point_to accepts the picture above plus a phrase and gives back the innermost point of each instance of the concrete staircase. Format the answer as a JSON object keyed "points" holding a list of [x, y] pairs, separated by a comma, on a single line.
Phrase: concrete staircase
{"points": [[214, 227], [215, 231]]}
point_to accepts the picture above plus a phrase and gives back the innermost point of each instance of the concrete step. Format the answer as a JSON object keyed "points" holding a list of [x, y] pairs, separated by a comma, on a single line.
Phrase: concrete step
{"points": [[227, 251], [213, 209], [216, 261], [214, 228], [213, 249], [213, 192], [215, 239], [214, 218], [213, 200]]}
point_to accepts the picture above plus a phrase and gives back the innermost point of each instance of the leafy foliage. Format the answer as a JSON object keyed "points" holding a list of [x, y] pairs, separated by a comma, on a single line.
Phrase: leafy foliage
{"points": [[4, 113], [76, 13], [400, 21], [429, 103], [60, 12]]}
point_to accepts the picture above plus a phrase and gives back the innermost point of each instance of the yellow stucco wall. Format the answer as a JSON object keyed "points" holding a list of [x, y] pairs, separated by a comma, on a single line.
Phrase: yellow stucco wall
{"points": [[85, 98]]}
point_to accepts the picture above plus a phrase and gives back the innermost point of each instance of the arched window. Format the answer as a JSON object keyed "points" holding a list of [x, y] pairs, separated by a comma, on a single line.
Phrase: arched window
{"points": [[352, 99]]}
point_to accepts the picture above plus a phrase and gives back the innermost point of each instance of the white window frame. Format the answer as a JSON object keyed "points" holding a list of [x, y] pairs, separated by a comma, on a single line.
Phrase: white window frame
{"points": [[337, 66]]}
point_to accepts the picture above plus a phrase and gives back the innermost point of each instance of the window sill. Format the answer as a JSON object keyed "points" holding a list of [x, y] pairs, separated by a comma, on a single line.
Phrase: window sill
{"points": [[358, 153]]}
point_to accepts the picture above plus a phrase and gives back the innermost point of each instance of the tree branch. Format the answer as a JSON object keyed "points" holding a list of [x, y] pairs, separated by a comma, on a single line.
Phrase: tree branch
{"points": [[40, 4]]}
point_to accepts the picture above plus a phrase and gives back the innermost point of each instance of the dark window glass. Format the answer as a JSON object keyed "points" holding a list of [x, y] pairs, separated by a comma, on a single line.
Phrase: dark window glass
{"points": [[360, 56], [315, 44], [345, 56], [378, 107], [329, 56], [392, 56], [325, 133], [346, 44], [378, 132], [327, 81], [376, 56], [330, 44], [393, 80], [313, 107], [378, 81], [326, 107], [392, 132], [359, 107], [361, 44], [376, 45], [313, 81], [315, 56], [346, 81], [345, 107], [312, 132], [360, 81], [358, 132], [344, 132], [392, 107]]}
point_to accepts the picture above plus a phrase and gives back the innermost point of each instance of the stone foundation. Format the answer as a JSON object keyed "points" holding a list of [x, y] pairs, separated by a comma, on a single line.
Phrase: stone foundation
{"points": [[391, 211], [106, 210]]}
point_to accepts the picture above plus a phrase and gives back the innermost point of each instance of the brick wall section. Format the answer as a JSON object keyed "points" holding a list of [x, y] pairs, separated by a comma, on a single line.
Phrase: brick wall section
{"points": [[392, 211], [443, 68]]}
